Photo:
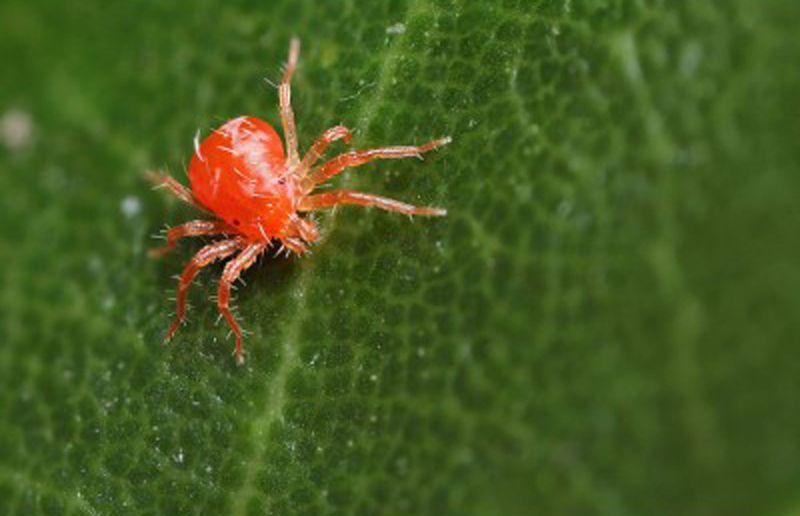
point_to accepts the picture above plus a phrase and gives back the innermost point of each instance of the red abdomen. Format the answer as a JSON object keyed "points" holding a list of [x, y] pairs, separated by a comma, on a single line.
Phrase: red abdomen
{"points": [[239, 173]]}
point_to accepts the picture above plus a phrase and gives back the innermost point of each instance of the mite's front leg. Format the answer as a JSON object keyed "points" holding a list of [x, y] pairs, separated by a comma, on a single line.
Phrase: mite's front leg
{"points": [[360, 157], [335, 197], [285, 97], [338, 132]]}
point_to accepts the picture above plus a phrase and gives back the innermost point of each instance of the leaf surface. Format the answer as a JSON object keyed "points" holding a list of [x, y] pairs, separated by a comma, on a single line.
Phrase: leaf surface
{"points": [[605, 323]]}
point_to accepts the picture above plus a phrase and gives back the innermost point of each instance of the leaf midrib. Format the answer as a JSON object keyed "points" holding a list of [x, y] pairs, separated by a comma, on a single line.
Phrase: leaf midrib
{"points": [[272, 411]]}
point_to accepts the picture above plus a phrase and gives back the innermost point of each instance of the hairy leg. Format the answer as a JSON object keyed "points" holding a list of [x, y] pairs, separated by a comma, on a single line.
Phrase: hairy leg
{"points": [[162, 180], [231, 273], [339, 132], [334, 197], [285, 97], [206, 255], [188, 229], [360, 157]]}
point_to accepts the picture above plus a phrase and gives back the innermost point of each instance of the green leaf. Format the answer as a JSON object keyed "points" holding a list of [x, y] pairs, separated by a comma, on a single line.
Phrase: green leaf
{"points": [[605, 323]]}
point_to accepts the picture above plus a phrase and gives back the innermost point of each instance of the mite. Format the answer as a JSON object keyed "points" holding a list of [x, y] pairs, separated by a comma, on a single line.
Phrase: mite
{"points": [[257, 195]]}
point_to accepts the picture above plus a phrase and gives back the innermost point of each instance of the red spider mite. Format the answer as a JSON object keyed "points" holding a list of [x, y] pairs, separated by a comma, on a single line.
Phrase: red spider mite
{"points": [[258, 194]]}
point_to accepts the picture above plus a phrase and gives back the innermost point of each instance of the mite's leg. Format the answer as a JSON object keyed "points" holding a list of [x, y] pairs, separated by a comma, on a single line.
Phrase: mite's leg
{"points": [[232, 271], [334, 197], [356, 158], [285, 96], [191, 228], [339, 132], [161, 180], [206, 255]]}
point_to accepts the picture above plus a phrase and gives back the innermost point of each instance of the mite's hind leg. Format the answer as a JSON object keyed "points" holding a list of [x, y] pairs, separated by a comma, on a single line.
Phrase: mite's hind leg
{"points": [[206, 255], [338, 132], [161, 180], [188, 229], [285, 98], [231, 273], [359, 157], [335, 197]]}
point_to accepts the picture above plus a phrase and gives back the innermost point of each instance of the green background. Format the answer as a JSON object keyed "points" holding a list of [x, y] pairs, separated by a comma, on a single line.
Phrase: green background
{"points": [[606, 323]]}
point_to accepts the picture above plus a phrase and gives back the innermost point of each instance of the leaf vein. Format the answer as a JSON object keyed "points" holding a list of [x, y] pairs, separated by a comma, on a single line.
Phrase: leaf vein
{"points": [[276, 401]]}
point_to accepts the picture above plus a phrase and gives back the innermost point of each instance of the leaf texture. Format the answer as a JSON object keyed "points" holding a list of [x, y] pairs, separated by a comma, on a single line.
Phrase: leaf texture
{"points": [[605, 323]]}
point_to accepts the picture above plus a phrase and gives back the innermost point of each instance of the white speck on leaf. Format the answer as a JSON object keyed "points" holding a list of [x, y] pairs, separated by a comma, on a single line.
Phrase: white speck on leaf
{"points": [[690, 59], [402, 465], [130, 206], [16, 129], [396, 29], [564, 209], [95, 264]]}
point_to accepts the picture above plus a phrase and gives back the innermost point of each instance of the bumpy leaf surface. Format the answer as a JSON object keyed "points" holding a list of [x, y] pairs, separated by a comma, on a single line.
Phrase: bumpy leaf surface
{"points": [[605, 323]]}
